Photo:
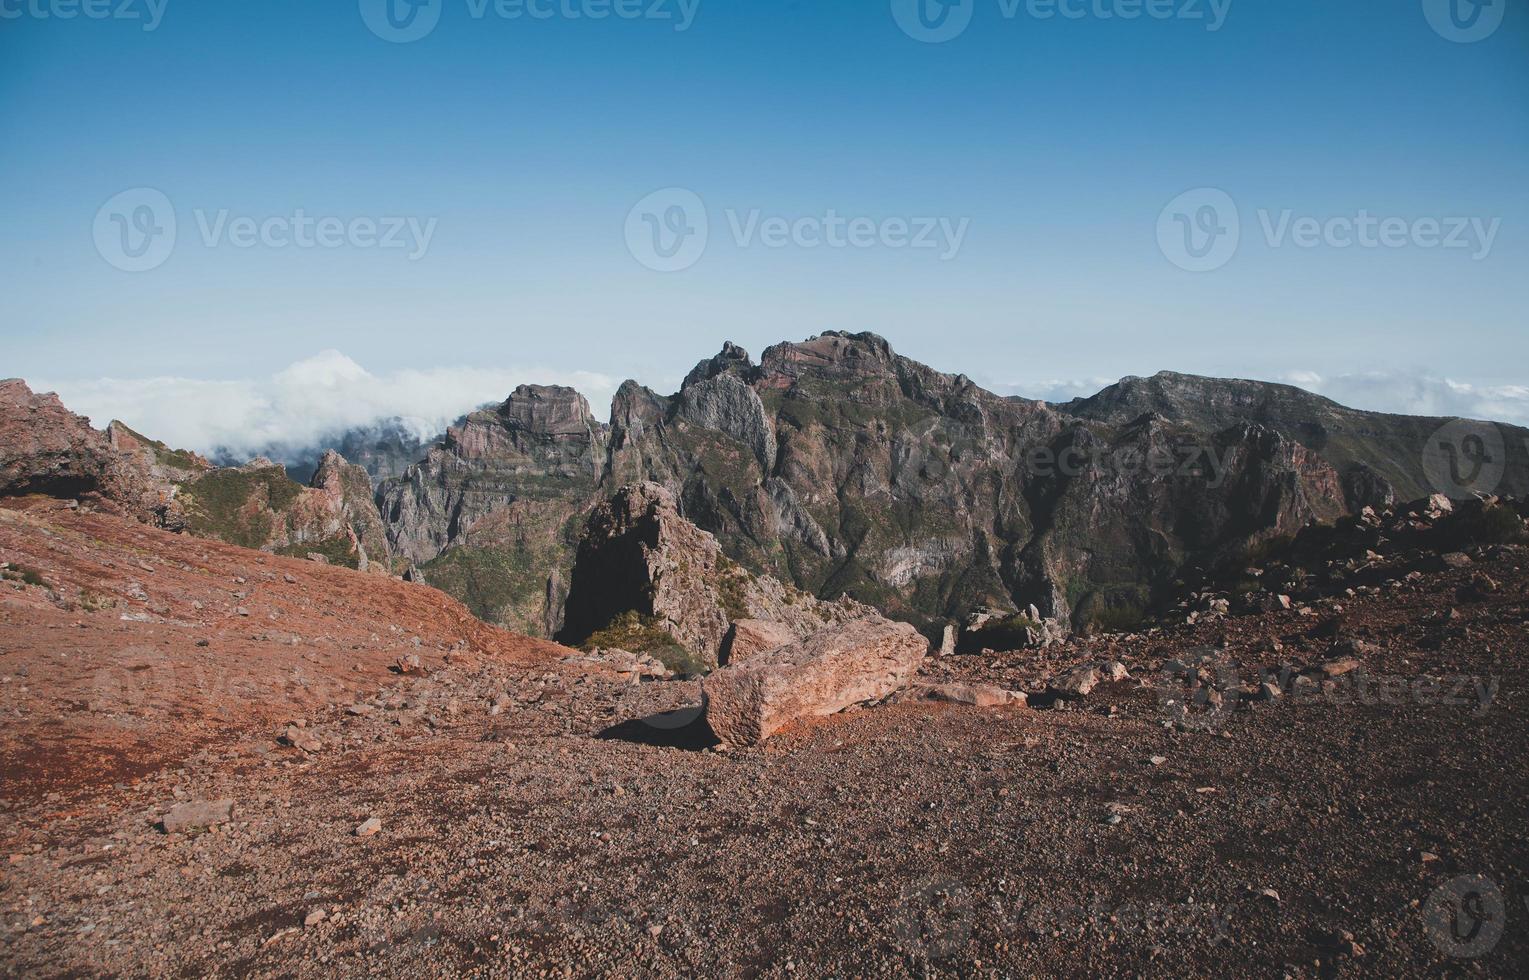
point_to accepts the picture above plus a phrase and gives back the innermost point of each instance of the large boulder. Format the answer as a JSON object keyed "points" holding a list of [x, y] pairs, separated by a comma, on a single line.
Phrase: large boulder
{"points": [[748, 701]]}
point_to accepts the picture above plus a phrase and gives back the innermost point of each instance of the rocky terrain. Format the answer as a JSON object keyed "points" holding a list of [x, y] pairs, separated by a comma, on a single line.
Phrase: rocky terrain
{"points": [[229, 750], [219, 761], [838, 467], [46, 449]]}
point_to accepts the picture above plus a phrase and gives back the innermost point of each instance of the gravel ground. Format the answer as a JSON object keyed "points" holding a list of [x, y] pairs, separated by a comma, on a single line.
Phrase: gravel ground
{"points": [[539, 818]]}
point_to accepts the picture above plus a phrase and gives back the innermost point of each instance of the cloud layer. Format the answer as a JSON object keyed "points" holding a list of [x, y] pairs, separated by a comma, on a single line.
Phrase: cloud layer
{"points": [[305, 404]]}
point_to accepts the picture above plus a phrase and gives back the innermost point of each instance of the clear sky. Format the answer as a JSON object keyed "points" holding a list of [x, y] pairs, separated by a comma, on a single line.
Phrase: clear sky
{"points": [[1043, 150]]}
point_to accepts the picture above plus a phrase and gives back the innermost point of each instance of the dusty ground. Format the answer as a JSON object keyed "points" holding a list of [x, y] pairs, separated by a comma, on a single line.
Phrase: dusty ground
{"points": [[561, 834]]}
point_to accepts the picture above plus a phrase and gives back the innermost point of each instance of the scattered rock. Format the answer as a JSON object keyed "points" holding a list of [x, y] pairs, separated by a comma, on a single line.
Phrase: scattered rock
{"points": [[973, 695], [370, 827], [1078, 682]]}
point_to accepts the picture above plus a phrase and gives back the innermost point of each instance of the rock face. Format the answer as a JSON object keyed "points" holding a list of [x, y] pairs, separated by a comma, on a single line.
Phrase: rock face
{"points": [[841, 666], [748, 638], [492, 514], [348, 489], [638, 555], [258, 506], [837, 466], [47, 449]]}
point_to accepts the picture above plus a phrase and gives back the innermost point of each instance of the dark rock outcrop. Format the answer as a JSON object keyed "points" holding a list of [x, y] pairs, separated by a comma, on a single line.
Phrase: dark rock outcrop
{"points": [[839, 467], [638, 555], [492, 514]]}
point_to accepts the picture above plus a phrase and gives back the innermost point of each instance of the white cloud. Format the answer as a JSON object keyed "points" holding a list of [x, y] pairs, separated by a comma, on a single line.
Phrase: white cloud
{"points": [[309, 401], [1419, 394]]}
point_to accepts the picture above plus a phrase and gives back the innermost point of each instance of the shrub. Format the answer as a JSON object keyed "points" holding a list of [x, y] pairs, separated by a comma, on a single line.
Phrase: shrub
{"points": [[636, 633]]}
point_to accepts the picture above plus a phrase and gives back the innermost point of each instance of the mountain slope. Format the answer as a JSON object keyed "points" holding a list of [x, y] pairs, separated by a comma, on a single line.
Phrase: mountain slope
{"points": [[839, 466]]}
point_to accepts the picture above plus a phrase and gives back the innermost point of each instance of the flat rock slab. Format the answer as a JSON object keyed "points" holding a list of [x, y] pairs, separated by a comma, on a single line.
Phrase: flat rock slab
{"points": [[198, 815], [747, 702], [973, 695]]}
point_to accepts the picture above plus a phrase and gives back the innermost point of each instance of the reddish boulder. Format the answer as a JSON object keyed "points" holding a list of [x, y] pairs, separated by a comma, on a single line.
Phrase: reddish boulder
{"points": [[750, 637], [748, 701]]}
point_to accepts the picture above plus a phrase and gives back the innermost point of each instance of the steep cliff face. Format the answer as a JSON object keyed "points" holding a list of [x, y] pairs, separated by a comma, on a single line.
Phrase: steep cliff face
{"points": [[837, 466], [347, 489], [1380, 457], [492, 514], [638, 556], [47, 449]]}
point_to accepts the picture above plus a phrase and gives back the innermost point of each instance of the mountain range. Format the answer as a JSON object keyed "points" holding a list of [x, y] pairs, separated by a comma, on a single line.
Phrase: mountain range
{"points": [[839, 467]]}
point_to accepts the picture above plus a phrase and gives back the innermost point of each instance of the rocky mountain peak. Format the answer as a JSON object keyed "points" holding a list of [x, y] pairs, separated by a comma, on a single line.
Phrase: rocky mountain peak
{"points": [[830, 356], [732, 358], [553, 411]]}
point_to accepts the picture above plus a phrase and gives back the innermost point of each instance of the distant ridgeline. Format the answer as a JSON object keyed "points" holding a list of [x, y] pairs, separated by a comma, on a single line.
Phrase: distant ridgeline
{"points": [[838, 467], [842, 468]]}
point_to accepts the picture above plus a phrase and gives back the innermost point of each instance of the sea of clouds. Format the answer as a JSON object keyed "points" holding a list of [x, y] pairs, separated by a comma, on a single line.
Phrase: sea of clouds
{"points": [[305, 405]]}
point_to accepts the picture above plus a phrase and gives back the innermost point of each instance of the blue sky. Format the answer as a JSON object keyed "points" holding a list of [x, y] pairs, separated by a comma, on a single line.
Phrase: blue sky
{"points": [[524, 144]]}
